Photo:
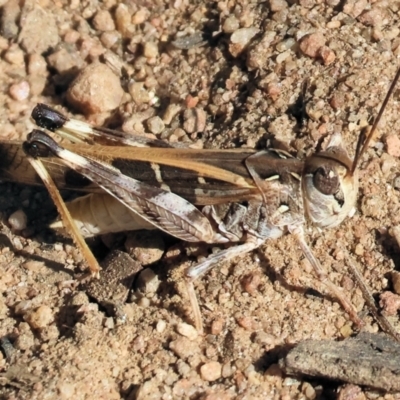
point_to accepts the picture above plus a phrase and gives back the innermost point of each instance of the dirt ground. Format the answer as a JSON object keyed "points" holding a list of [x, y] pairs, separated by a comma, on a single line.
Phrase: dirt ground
{"points": [[218, 75]]}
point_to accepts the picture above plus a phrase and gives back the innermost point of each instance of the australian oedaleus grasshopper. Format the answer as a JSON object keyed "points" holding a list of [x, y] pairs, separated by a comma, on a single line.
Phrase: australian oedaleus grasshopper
{"points": [[242, 197]]}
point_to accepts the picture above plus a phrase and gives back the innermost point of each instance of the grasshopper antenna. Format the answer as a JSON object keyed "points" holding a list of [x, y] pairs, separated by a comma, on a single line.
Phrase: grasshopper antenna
{"points": [[363, 141]]}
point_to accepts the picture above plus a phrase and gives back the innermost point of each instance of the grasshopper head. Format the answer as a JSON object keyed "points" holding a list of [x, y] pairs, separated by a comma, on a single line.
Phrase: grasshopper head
{"points": [[329, 185]]}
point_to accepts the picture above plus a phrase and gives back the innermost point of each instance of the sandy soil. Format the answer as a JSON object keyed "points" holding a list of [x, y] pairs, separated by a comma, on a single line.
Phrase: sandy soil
{"points": [[234, 81]]}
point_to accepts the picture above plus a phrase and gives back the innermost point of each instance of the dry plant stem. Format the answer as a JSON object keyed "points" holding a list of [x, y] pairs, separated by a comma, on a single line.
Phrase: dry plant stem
{"points": [[381, 319], [298, 233], [194, 305], [66, 216], [362, 146]]}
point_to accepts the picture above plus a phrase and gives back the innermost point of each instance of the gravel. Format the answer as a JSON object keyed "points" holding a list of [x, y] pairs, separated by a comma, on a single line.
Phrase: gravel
{"points": [[214, 75]]}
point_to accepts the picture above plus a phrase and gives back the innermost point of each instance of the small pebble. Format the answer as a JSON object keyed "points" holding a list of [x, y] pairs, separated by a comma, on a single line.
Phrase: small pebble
{"points": [[211, 371], [277, 5], [37, 65], [150, 50], [337, 100], [240, 39], [217, 326], [161, 325], [103, 21], [390, 302], [187, 330], [328, 56], [23, 307], [144, 302], [109, 323], [184, 348], [79, 299], [39, 318], [392, 143], [147, 282], [355, 8], [20, 91], [194, 120], [245, 322], [308, 391], [139, 94], [146, 247], [395, 275], [39, 31], [25, 340], [273, 90], [3, 308], [285, 44], [190, 101], [227, 370], [264, 339], [251, 282], [377, 17], [33, 266], [109, 39], [244, 35], [18, 220], [155, 125], [95, 90], [171, 111], [7, 347], [231, 24], [311, 44], [123, 20], [352, 392], [14, 55], [140, 16]]}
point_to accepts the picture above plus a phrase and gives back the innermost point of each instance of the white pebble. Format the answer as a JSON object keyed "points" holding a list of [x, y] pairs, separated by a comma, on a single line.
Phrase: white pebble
{"points": [[18, 220], [244, 35], [161, 325], [187, 330], [211, 371], [148, 282], [20, 91], [155, 125]]}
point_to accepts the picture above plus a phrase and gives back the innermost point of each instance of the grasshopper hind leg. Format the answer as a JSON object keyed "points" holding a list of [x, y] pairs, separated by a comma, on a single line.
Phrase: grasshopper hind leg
{"points": [[68, 221]]}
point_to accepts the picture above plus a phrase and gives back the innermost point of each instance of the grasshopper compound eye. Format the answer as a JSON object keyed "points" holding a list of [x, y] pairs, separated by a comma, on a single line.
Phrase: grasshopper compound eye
{"points": [[326, 180]]}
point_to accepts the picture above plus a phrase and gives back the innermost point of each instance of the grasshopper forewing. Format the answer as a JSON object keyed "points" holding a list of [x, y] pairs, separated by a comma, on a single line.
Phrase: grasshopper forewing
{"points": [[213, 196]]}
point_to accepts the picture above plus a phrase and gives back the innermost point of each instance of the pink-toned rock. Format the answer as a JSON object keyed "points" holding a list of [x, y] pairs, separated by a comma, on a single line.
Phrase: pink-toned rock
{"points": [[20, 91], [375, 17], [211, 371], [277, 5], [392, 143], [390, 302], [328, 56], [354, 7], [39, 31], [311, 44], [96, 90], [103, 21], [40, 318]]}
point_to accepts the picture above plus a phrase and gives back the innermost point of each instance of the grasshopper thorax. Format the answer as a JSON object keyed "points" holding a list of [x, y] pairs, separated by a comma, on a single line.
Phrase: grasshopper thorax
{"points": [[329, 186]]}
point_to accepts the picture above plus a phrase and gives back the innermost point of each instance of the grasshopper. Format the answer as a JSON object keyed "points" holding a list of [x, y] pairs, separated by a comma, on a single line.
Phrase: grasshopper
{"points": [[240, 197]]}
